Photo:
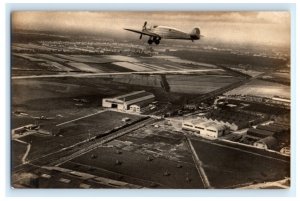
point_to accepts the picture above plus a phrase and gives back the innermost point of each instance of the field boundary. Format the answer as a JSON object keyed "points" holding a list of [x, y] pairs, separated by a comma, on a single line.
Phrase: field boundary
{"points": [[198, 164]]}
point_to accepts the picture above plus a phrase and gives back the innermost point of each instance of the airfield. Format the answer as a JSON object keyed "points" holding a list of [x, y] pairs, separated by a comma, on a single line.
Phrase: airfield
{"points": [[59, 86]]}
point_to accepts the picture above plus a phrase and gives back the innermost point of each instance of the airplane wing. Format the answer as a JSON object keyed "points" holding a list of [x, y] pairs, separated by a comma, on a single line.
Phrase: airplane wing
{"points": [[144, 32]]}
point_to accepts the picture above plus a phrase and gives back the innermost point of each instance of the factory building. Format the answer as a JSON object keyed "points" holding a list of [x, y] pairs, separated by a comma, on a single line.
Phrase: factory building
{"points": [[139, 107], [262, 131], [134, 101], [235, 120], [269, 142], [271, 128], [207, 129], [258, 133]]}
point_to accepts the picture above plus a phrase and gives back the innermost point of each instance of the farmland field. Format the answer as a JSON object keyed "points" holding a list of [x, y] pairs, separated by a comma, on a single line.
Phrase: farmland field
{"points": [[282, 78], [84, 67], [183, 61], [262, 88], [199, 84], [121, 58], [109, 67], [226, 57], [130, 66], [86, 58], [37, 64]]}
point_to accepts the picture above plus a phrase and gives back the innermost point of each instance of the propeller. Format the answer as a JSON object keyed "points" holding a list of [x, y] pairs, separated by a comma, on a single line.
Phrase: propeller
{"points": [[144, 27], [145, 23]]}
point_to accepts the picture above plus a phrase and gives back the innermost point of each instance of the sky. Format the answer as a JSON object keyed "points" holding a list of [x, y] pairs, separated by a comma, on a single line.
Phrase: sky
{"points": [[270, 28]]}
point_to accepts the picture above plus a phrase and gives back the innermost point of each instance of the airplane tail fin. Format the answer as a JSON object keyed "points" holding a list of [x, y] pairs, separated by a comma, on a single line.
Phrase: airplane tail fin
{"points": [[196, 34]]}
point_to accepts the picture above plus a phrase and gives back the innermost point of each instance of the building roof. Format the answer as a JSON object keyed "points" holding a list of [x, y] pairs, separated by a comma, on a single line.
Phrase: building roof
{"points": [[207, 124], [216, 126], [269, 128], [204, 123], [134, 96], [197, 121], [138, 100], [130, 94], [270, 141], [259, 133]]}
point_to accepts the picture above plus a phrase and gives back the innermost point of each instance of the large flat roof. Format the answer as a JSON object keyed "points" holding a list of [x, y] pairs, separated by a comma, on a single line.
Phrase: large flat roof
{"points": [[134, 96], [140, 99], [129, 94], [197, 121]]}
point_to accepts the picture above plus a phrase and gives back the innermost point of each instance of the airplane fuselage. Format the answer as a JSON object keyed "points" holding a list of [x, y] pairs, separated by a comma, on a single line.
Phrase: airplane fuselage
{"points": [[170, 33], [156, 33]]}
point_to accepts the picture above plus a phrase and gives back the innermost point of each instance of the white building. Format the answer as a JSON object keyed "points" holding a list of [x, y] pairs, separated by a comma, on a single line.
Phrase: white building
{"points": [[124, 102], [286, 151], [135, 108], [231, 125], [207, 129]]}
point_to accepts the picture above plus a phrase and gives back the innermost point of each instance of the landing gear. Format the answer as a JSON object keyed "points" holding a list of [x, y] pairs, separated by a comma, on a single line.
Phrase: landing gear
{"points": [[155, 40]]}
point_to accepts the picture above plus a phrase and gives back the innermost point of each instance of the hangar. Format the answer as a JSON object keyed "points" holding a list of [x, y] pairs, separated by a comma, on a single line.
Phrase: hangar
{"points": [[124, 102]]}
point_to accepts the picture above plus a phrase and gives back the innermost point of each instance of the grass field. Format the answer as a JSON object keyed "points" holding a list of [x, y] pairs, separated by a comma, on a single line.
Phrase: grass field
{"points": [[18, 151], [74, 132], [54, 99], [145, 156], [229, 167], [135, 168]]}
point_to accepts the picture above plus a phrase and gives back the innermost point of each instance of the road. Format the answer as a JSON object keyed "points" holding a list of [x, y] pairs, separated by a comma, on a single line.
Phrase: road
{"points": [[89, 115], [119, 73], [199, 165], [102, 141]]}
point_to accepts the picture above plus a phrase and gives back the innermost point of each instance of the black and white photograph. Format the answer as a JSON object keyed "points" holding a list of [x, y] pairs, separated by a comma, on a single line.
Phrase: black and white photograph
{"points": [[150, 99]]}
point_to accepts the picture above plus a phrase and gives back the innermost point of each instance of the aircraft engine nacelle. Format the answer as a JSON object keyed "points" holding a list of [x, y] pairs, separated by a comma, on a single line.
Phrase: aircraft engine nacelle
{"points": [[195, 34]]}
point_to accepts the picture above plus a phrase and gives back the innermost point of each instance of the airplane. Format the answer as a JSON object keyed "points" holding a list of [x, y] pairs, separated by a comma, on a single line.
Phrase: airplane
{"points": [[156, 33]]}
